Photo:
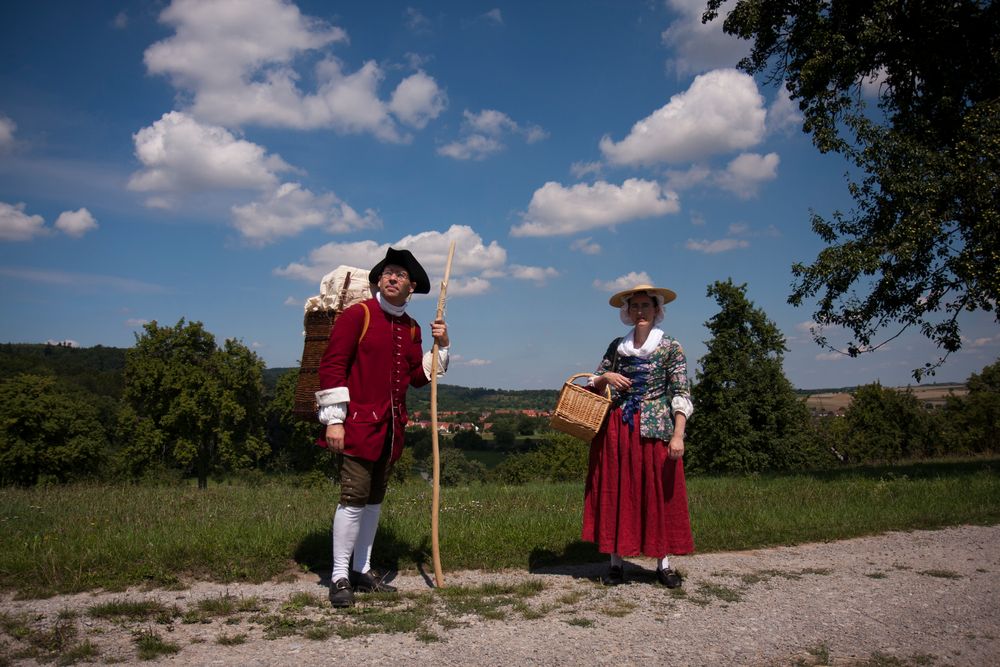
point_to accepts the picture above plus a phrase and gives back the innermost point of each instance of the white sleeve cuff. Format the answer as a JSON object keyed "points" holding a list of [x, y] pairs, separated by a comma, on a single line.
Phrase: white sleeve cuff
{"points": [[442, 368], [333, 414], [330, 396], [683, 405], [333, 405]]}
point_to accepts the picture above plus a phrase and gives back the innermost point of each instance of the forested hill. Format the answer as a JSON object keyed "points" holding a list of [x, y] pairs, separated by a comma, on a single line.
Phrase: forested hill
{"points": [[96, 369], [461, 399]]}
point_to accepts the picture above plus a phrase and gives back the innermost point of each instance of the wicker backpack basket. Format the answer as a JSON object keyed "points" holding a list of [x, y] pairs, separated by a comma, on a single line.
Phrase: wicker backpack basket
{"points": [[340, 289], [580, 412]]}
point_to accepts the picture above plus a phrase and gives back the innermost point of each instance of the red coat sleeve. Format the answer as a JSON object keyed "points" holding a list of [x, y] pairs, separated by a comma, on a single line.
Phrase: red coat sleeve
{"points": [[416, 357], [341, 348]]}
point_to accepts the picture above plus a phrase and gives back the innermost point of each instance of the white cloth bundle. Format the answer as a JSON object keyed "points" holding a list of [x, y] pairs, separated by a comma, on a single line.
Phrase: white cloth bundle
{"points": [[332, 285]]}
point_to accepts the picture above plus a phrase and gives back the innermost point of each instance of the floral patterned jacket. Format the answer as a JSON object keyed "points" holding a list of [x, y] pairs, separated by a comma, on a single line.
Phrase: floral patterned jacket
{"points": [[660, 387]]}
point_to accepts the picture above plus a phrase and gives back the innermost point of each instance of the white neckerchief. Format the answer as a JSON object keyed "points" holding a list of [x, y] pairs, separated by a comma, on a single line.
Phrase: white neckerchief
{"points": [[627, 347], [388, 307]]}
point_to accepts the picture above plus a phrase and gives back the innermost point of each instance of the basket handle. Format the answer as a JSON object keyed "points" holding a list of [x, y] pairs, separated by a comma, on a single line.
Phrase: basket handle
{"points": [[577, 376]]}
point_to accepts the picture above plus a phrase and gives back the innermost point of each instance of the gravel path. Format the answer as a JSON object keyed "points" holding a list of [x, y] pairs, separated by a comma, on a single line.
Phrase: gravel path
{"points": [[917, 598]]}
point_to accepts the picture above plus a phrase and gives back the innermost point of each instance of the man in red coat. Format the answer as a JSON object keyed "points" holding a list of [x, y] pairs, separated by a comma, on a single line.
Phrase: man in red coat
{"points": [[373, 355]]}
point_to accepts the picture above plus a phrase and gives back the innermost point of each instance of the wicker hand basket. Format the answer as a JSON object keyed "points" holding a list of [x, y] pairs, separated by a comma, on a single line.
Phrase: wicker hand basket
{"points": [[580, 412]]}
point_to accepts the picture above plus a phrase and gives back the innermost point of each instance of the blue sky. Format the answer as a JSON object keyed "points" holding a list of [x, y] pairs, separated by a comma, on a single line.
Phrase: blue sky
{"points": [[213, 160]]}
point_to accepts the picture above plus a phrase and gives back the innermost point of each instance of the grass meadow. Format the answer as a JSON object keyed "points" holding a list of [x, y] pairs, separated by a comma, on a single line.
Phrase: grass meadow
{"points": [[82, 537]]}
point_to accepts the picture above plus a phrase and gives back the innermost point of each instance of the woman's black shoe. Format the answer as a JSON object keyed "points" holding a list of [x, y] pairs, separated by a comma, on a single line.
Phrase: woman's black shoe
{"points": [[614, 577], [669, 578]]}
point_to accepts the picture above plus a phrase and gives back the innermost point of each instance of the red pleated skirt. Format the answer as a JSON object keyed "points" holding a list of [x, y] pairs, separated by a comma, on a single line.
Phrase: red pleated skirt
{"points": [[635, 501]]}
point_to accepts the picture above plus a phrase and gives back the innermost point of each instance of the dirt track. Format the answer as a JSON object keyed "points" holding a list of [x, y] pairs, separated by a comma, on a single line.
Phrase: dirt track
{"points": [[927, 597]]}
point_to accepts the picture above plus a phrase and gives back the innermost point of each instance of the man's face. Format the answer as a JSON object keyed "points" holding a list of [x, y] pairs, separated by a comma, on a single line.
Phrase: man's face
{"points": [[394, 284]]}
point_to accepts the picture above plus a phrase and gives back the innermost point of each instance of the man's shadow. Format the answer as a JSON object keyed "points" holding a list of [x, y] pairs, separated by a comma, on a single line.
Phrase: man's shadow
{"points": [[314, 554]]}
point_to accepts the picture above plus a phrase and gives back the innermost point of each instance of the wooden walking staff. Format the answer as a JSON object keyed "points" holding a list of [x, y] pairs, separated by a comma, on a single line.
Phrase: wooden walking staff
{"points": [[436, 496]]}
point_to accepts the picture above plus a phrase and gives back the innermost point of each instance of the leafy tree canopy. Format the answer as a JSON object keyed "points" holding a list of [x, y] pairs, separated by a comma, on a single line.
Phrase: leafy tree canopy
{"points": [[747, 417], [190, 403], [974, 420], [50, 431], [921, 245]]}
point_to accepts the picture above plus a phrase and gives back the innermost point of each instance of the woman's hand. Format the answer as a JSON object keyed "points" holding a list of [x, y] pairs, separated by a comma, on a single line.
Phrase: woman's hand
{"points": [[439, 330], [675, 449], [616, 380], [335, 437]]}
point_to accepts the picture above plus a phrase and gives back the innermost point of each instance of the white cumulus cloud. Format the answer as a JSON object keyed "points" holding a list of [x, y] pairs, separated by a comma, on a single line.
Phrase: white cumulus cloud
{"points": [[624, 282], [179, 154], [472, 147], [537, 274], [722, 111], [557, 210], [717, 246], [745, 173], [238, 59], [697, 47], [291, 208], [16, 225], [485, 134], [586, 246], [417, 100], [783, 115], [473, 258], [76, 223], [742, 176]]}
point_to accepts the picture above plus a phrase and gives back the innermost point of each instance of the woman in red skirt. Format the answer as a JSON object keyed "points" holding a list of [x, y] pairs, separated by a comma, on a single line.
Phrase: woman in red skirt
{"points": [[636, 500]]}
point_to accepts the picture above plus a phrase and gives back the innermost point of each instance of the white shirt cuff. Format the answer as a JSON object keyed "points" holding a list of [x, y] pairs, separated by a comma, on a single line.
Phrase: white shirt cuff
{"points": [[683, 405], [333, 405], [333, 414], [442, 368]]}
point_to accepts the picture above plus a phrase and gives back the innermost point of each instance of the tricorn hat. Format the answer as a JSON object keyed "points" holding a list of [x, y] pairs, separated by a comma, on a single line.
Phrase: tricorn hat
{"points": [[404, 258], [661, 294]]}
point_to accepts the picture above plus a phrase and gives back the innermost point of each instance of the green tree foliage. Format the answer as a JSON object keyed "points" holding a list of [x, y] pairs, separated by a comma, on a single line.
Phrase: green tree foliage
{"points": [[50, 431], [921, 245], [561, 458], [973, 420], [418, 440], [884, 424], [467, 440], [292, 441], [747, 416], [457, 470], [191, 404], [504, 435]]}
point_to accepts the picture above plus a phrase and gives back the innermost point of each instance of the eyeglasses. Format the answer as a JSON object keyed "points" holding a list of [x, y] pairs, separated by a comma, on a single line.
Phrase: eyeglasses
{"points": [[401, 274]]}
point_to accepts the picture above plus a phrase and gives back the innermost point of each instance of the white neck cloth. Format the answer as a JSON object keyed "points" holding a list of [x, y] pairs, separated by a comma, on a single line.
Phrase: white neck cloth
{"points": [[627, 347], [388, 307]]}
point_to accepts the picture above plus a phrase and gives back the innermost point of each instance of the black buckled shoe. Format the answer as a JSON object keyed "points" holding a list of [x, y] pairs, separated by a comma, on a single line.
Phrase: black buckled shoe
{"points": [[614, 577], [371, 581], [341, 594], [669, 578]]}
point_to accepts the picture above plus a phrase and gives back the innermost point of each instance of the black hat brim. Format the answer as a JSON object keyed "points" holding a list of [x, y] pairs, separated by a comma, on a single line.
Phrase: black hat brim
{"points": [[404, 258]]}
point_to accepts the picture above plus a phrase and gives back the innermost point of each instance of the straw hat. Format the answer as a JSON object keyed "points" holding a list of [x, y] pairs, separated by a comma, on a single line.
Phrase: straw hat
{"points": [[661, 294]]}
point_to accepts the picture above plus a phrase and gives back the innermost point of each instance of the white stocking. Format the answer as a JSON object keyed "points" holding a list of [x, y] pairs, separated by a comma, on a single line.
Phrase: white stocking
{"points": [[664, 563], [366, 538], [346, 523]]}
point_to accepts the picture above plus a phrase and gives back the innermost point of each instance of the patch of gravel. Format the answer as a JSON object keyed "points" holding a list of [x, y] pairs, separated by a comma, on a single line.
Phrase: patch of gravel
{"points": [[913, 598]]}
